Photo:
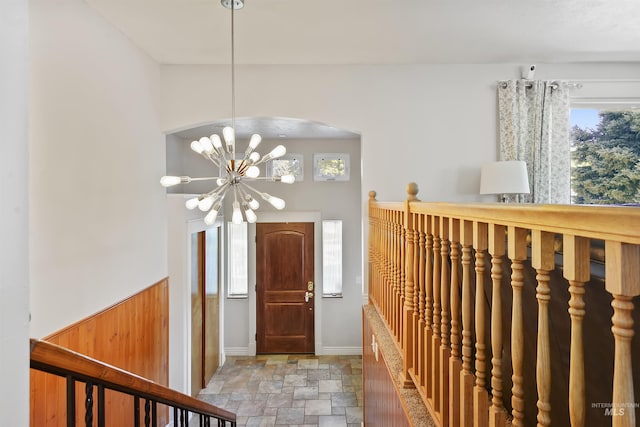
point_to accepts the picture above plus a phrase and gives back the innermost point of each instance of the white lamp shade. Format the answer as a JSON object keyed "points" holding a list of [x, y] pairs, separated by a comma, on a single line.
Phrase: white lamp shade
{"points": [[506, 177]]}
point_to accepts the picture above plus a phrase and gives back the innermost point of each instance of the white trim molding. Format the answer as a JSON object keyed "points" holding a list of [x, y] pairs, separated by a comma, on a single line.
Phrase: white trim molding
{"points": [[341, 351], [287, 216]]}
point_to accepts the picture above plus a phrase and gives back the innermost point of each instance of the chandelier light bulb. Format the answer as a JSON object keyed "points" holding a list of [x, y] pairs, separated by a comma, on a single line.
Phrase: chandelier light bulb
{"points": [[205, 204], [229, 137], [279, 151], [288, 179], [276, 202], [250, 215], [254, 157], [206, 144], [253, 203], [253, 172], [213, 213], [217, 143], [255, 141], [191, 204], [170, 181], [197, 147], [236, 217]]}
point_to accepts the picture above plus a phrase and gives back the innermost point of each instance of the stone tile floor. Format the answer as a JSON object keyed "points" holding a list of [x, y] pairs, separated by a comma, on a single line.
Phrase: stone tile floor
{"points": [[289, 390]]}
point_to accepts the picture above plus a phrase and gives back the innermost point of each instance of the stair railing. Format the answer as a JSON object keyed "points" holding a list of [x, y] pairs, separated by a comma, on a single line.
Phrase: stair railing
{"points": [[151, 400]]}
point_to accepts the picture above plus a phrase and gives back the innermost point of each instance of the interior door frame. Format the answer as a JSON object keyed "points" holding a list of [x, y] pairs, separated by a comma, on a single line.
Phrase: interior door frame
{"points": [[287, 216], [196, 226]]}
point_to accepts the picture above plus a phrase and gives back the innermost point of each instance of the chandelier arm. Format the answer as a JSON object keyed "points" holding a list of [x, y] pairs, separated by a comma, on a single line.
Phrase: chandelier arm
{"points": [[243, 193], [260, 193], [206, 178], [222, 189], [213, 159]]}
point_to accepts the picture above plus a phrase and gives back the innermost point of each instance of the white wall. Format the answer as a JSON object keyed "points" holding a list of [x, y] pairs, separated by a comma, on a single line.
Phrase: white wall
{"points": [[98, 215], [432, 124], [437, 122], [14, 267]]}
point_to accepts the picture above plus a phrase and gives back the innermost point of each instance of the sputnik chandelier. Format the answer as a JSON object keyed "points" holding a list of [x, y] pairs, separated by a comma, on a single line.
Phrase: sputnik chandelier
{"points": [[234, 175]]}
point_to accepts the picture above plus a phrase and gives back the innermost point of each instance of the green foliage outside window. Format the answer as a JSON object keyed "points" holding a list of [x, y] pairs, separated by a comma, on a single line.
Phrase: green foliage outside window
{"points": [[331, 167], [606, 160]]}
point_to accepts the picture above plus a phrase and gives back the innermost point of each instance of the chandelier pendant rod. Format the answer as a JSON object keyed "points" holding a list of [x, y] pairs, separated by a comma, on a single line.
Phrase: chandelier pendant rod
{"points": [[233, 73]]}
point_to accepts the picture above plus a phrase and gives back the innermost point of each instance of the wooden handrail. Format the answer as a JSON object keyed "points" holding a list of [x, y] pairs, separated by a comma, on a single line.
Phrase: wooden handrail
{"points": [[439, 274], [588, 221], [61, 361]]}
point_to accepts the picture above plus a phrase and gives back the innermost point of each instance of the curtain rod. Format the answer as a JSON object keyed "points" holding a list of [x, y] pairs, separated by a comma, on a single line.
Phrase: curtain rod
{"points": [[554, 84]]}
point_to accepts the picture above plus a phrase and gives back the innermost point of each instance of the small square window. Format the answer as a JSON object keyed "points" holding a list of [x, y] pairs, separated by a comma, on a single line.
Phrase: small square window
{"points": [[288, 164], [331, 167]]}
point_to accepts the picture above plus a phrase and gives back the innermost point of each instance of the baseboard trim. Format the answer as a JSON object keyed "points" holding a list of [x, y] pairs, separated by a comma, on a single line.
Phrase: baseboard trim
{"points": [[326, 351], [236, 351], [342, 351]]}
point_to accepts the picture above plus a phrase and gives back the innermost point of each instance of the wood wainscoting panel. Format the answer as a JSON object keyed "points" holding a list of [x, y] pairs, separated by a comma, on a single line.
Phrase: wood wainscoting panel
{"points": [[382, 404], [132, 335]]}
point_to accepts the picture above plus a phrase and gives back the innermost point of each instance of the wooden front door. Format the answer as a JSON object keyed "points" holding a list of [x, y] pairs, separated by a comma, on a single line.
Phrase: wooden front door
{"points": [[284, 273]]}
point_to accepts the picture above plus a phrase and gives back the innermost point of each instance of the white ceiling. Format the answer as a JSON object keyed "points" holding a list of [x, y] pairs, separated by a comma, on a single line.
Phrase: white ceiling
{"points": [[381, 31], [374, 32]]}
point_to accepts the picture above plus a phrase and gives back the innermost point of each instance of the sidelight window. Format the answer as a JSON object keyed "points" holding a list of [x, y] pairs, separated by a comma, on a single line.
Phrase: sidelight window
{"points": [[237, 260], [332, 258]]}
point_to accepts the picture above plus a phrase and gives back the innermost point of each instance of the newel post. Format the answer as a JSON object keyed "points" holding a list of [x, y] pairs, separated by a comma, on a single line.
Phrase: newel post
{"points": [[408, 343]]}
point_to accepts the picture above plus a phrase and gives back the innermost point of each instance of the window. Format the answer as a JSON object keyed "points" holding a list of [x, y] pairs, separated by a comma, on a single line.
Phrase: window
{"points": [[605, 155], [332, 258], [331, 167], [288, 164], [237, 262]]}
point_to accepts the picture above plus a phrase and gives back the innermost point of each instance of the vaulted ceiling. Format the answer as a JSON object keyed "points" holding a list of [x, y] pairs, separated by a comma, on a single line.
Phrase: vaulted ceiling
{"points": [[381, 31]]}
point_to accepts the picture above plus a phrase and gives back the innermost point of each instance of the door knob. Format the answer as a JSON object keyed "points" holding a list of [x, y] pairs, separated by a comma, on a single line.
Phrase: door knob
{"points": [[307, 296]]}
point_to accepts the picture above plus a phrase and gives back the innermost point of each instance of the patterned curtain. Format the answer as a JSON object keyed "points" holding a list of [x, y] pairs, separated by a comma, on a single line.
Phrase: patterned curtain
{"points": [[534, 127]]}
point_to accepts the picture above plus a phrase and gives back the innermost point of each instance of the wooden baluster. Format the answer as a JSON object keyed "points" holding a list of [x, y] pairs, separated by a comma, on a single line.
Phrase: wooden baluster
{"points": [[622, 272], [480, 394], [399, 306], [466, 380], [389, 285], [428, 282], [517, 248], [542, 259], [576, 269], [402, 275], [377, 259], [497, 413], [455, 364], [372, 243], [445, 350], [383, 264], [408, 258], [420, 363], [415, 264], [392, 274], [395, 277], [437, 313]]}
